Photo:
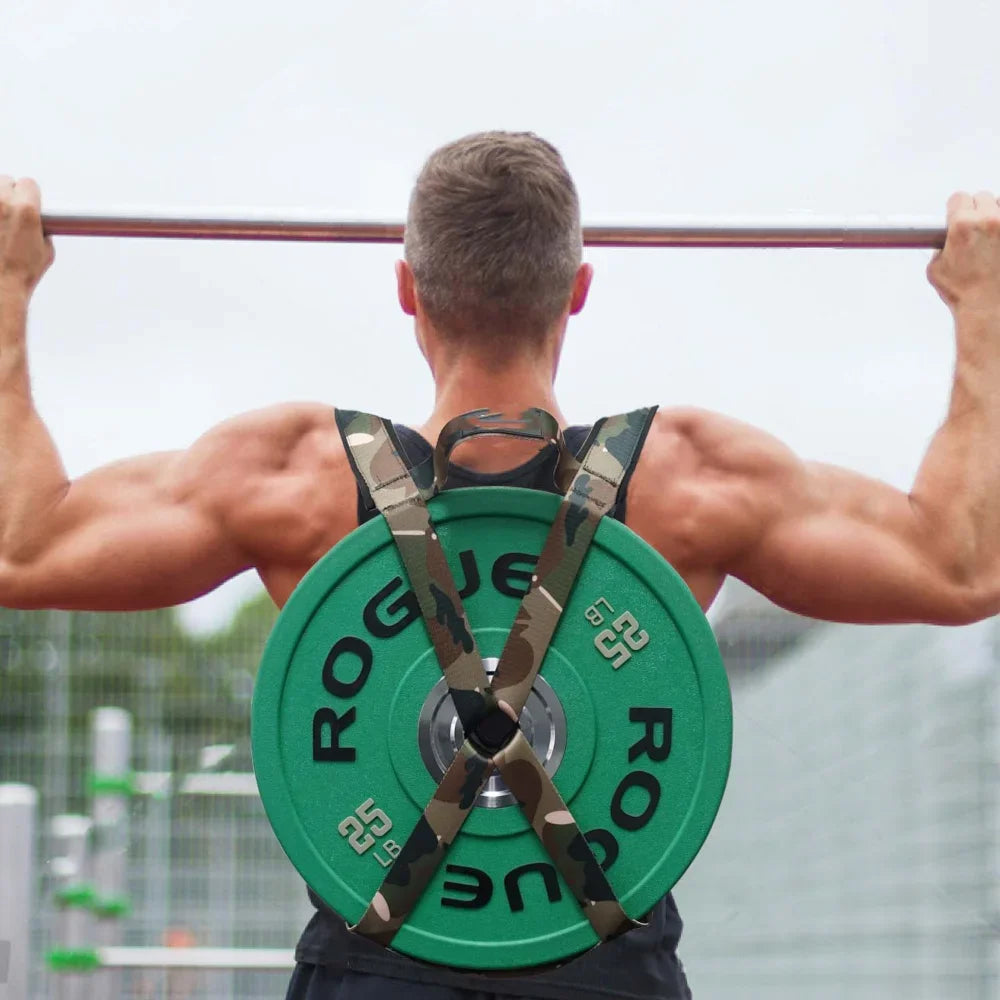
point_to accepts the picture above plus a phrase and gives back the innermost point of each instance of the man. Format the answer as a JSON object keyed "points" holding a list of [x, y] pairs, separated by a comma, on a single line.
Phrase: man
{"points": [[492, 273]]}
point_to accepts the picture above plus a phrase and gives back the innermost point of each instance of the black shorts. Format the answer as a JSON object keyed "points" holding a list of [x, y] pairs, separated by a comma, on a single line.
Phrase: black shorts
{"points": [[317, 982]]}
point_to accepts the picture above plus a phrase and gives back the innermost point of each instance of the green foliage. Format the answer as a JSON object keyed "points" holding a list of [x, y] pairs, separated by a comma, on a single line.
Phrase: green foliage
{"points": [[186, 691]]}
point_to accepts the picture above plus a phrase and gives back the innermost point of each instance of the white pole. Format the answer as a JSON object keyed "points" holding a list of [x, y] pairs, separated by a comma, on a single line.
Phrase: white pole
{"points": [[74, 898], [18, 820], [196, 958], [111, 730]]}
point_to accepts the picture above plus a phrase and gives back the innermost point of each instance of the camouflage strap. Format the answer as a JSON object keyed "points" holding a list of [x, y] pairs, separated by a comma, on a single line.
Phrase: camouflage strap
{"points": [[593, 493], [420, 856], [375, 453], [444, 816], [565, 843], [533, 424], [498, 740]]}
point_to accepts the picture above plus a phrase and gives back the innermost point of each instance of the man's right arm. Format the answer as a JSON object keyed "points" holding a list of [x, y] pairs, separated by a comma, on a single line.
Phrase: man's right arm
{"points": [[831, 543]]}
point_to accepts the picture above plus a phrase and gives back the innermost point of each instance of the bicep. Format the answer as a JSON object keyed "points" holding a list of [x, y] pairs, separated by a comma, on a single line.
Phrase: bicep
{"points": [[133, 535], [837, 545]]}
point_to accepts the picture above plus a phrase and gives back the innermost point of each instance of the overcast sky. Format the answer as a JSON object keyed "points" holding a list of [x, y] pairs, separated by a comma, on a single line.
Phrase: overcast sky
{"points": [[660, 108]]}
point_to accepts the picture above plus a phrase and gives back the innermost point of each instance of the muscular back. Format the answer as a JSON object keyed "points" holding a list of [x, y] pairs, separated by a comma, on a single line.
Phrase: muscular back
{"points": [[273, 491], [325, 500], [713, 496]]}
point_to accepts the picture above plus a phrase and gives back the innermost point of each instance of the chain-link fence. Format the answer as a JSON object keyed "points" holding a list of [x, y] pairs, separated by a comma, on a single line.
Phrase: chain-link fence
{"points": [[855, 852], [203, 866]]}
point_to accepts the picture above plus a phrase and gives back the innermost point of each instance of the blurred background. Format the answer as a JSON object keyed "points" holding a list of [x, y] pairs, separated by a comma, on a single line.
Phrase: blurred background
{"points": [[856, 850]]}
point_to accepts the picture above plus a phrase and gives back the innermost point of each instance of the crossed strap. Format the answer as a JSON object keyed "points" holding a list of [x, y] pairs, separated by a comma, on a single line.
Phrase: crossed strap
{"points": [[488, 712]]}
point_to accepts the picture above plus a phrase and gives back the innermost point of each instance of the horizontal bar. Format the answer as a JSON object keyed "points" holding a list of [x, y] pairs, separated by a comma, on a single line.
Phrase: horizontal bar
{"points": [[899, 234], [195, 958]]}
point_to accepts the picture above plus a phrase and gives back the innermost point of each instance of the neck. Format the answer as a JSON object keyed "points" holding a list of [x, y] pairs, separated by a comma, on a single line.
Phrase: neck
{"points": [[467, 385]]}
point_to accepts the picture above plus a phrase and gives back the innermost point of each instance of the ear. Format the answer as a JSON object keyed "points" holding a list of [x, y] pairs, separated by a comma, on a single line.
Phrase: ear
{"points": [[405, 288], [581, 286]]}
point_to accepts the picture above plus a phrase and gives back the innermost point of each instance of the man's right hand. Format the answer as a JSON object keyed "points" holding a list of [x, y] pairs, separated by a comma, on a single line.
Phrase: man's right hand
{"points": [[25, 252]]}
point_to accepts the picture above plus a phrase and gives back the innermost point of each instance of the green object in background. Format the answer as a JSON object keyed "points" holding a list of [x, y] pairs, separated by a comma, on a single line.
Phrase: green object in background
{"points": [[111, 907], [73, 960], [106, 784], [349, 724], [81, 896]]}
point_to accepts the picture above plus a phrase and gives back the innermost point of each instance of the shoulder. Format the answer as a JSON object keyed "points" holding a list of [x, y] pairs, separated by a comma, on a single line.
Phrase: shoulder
{"points": [[260, 445], [278, 477], [702, 485], [707, 441], [270, 436]]}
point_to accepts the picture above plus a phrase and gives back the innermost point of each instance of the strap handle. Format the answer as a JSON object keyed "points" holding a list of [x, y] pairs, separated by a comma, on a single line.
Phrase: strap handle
{"points": [[533, 424]]}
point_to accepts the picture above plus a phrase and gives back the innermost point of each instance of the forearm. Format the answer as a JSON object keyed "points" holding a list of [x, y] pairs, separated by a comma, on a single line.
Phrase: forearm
{"points": [[956, 494], [32, 478]]}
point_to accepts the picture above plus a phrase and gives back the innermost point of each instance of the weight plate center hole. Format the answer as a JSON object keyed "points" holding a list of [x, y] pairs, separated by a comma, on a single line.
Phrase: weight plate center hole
{"points": [[493, 732], [440, 734]]}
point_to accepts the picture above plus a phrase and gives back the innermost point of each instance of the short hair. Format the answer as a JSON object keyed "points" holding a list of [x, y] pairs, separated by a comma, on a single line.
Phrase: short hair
{"points": [[493, 238]]}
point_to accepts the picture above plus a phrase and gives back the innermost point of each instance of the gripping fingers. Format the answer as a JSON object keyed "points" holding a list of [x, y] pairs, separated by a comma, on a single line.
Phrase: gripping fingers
{"points": [[27, 197], [26, 189], [960, 203], [28, 201], [967, 271], [6, 195], [971, 213], [987, 208], [25, 253]]}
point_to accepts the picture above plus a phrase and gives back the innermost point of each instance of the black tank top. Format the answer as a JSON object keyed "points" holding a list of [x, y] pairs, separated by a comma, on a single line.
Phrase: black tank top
{"points": [[641, 964]]}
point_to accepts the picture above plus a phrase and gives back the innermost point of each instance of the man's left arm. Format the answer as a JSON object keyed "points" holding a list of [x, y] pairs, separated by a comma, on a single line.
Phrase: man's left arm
{"points": [[837, 545]]}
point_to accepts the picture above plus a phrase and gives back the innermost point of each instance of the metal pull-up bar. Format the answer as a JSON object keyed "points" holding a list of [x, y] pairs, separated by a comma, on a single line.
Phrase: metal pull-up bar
{"points": [[894, 234]]}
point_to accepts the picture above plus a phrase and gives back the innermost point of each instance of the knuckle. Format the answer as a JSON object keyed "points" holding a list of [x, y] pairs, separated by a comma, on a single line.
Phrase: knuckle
{"points": [[966, 224], [963, 224], [27, 189], [26, 211]]}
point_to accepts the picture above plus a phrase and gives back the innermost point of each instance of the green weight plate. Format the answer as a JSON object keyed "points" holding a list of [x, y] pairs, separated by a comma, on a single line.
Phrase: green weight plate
{"points": [[352, 728]]}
